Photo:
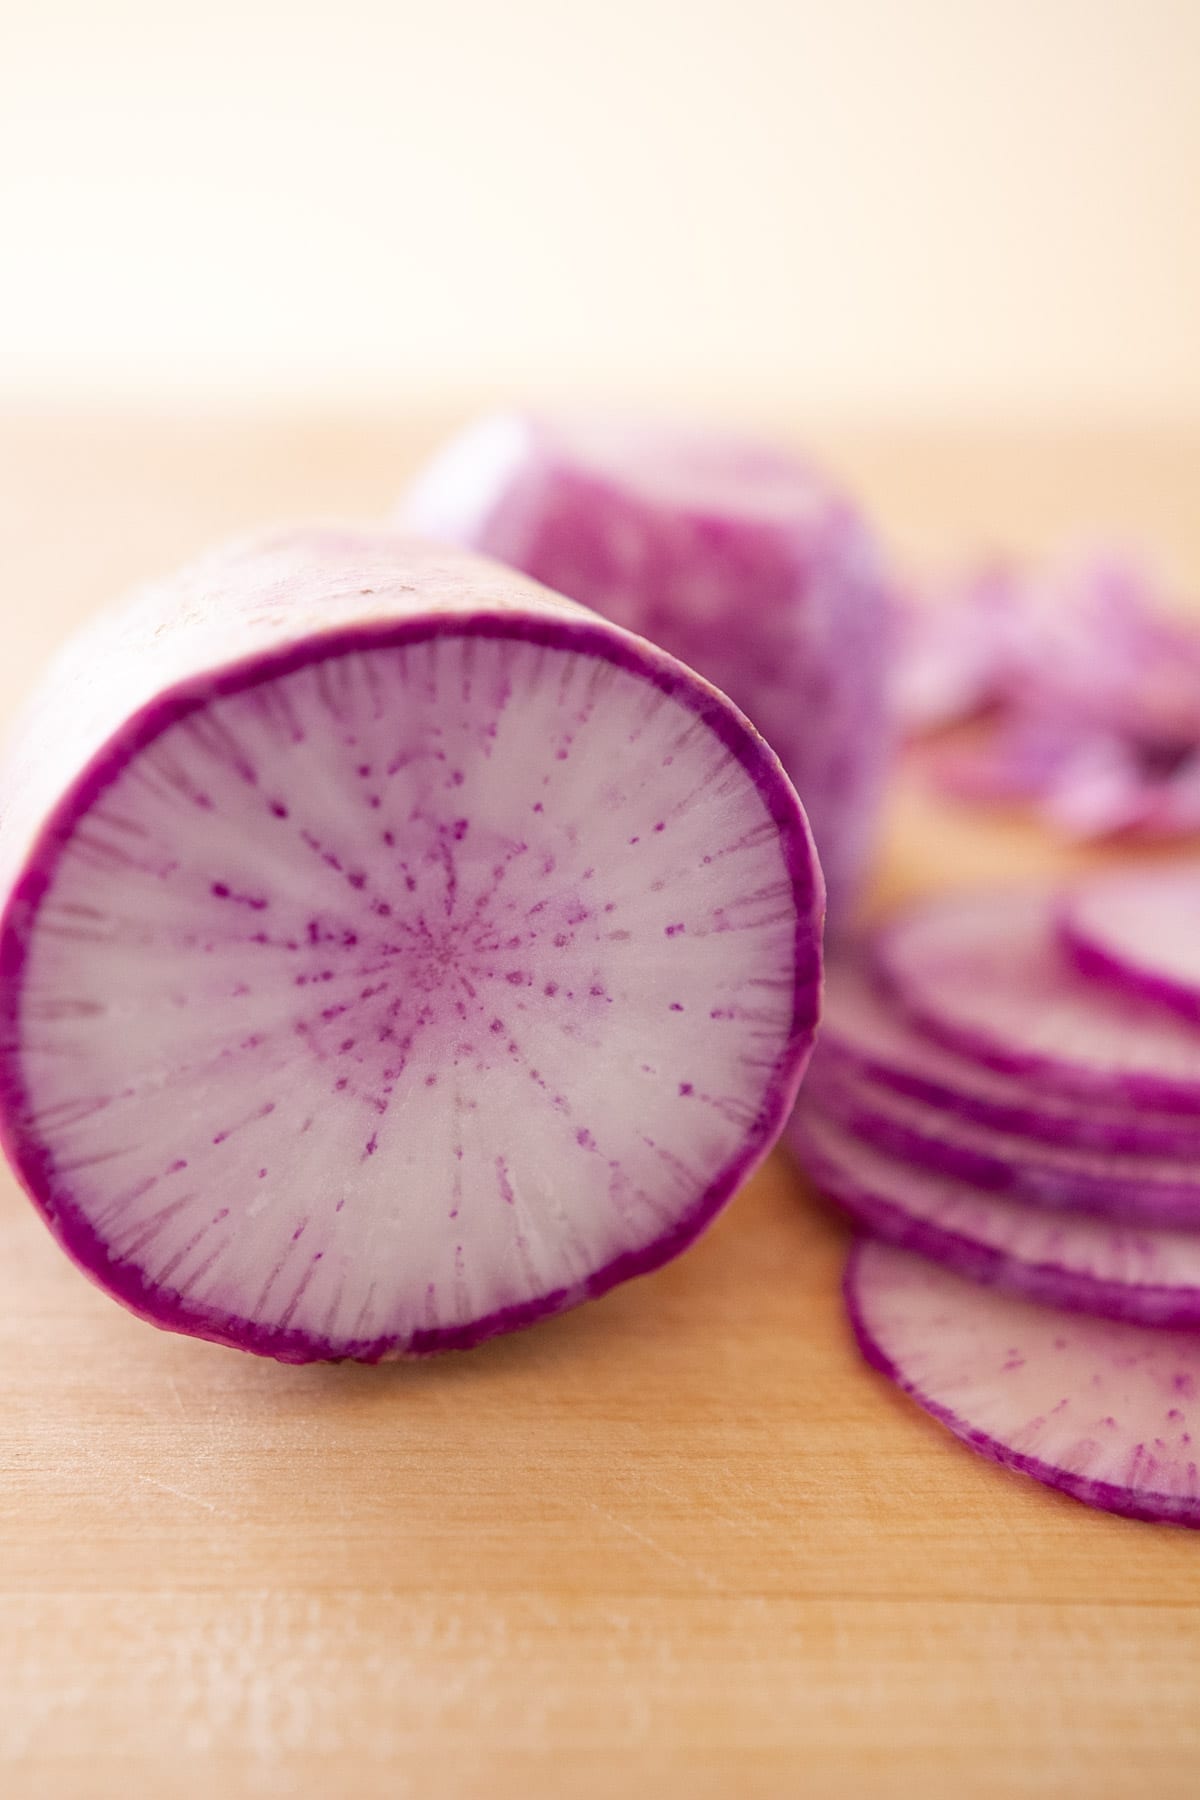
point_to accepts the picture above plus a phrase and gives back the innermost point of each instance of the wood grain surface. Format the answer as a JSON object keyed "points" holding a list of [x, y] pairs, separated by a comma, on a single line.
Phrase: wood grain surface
{"points": [[678, 1543]]}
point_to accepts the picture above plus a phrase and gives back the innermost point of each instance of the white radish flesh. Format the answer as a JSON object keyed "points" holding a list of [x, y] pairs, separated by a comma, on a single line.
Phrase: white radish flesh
{"points": [[984, 973], [1116, 1270], [1140, 930], [1107, 1412], [393, 954], [739, 560]]}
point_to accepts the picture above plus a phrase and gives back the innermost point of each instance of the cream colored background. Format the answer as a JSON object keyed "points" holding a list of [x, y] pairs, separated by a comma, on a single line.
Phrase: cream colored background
{"points": [[935, 208]]}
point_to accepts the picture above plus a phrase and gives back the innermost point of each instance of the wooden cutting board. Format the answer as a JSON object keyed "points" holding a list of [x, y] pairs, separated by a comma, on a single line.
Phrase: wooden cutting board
{"points": [[679, 1543]]}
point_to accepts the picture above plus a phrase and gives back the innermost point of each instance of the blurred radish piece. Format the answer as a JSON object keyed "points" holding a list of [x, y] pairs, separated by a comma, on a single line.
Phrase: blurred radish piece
{"points": [[957, 645], [1089, 683], [742, 561]]}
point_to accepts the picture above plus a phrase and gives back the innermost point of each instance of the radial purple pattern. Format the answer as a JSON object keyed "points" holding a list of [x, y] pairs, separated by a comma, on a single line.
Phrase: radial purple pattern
{"points": [[413, 977]]}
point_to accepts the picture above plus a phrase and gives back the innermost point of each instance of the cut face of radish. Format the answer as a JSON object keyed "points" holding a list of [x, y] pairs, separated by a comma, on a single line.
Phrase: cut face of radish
{"points": [[1142, 1188], [1141, 931], [394, 953], [737, 559], [985, 975], [1102, 1410], [1088, 1265], [862, 1031]]}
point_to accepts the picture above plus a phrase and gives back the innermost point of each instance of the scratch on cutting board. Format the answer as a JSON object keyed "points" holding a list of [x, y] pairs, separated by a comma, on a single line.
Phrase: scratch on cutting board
{"points": [[747, 1523], [681, 1562], [195, 1499]]}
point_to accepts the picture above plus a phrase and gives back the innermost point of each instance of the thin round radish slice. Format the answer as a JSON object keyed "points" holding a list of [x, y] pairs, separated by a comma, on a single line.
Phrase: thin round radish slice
{"points": [[1140, 930], [1103, 1410], [1086, 1265], [742, 561], [984, 974], [1138, 1188], [394, 953], [862, 1031]]}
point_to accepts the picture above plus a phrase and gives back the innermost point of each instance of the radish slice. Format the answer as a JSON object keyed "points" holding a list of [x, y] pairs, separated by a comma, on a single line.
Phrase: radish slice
{"points": [[741, 561], [1132, 1188], [862, 1032], [985, 975], [1103, 1410], [394, 953], [1141, 931], [1086, 1265]]}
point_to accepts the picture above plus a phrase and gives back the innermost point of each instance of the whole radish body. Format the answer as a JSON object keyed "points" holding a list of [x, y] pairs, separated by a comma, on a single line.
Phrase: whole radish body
{"points": [[738, 559], [393, 953]]}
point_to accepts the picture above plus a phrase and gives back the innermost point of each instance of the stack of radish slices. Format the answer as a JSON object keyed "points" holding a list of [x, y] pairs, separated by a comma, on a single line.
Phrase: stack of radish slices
{"points": [[1006, 1097]]}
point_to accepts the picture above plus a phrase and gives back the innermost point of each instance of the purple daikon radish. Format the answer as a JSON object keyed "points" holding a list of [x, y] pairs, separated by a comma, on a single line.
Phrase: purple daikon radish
{"points": [[1141, 931], [1142, 1189], [742, 561], [985, 974], [1116, 1270], [1103, 1410], [394, 953], [862, 1031]]}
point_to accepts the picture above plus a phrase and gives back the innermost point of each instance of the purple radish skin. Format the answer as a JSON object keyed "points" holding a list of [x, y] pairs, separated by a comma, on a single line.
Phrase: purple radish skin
{"points": [[741, 561], [984, 975], [1116, 1271], [1103, 1411], [1140, 932], [865, 1034], [1138, 1189], [394, 954]]}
